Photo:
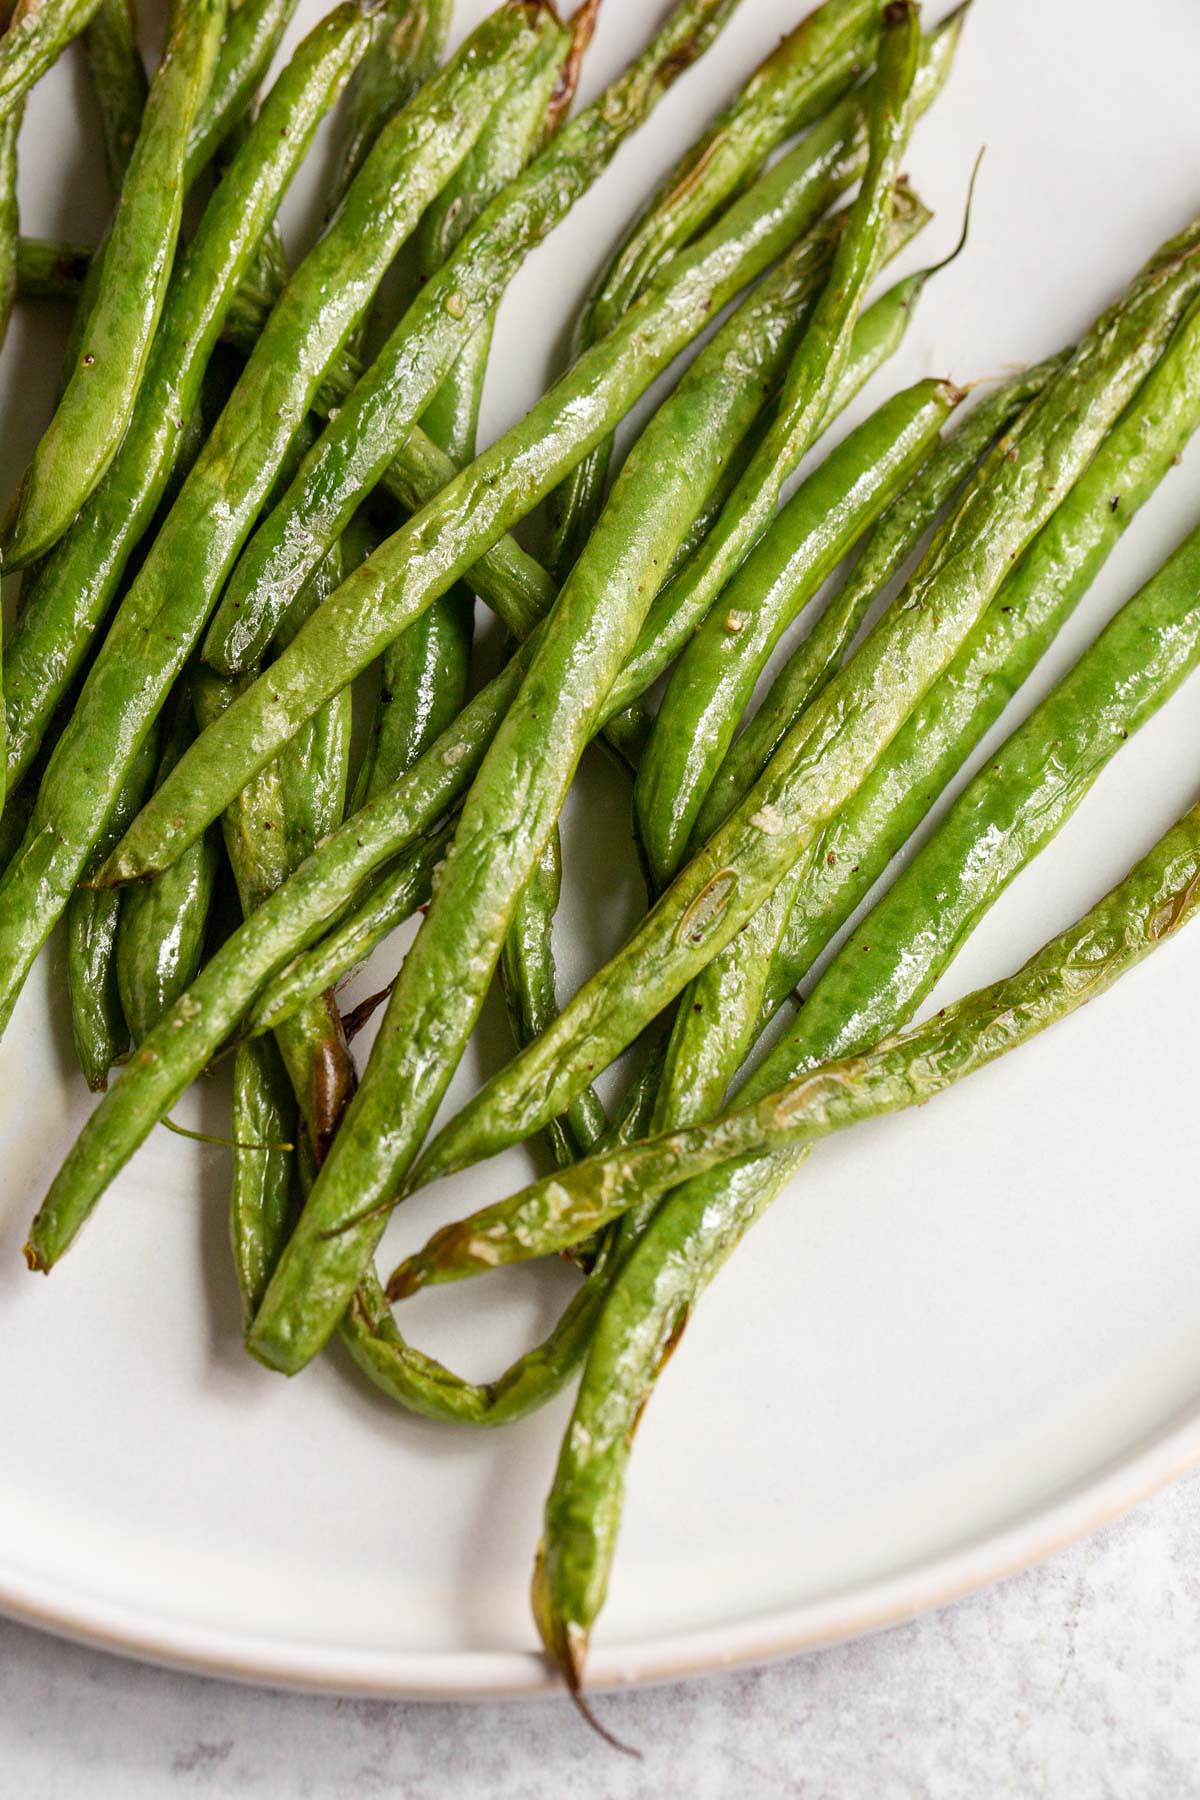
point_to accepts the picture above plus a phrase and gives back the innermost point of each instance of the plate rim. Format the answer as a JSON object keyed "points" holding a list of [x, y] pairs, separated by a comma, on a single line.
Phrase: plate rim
{"points": [[1118, 1485]]}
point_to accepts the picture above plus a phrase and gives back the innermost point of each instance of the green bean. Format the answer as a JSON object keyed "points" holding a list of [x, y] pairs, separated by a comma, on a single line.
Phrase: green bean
{"points": [[10, 219], [664, 815], [408, 44], [265, 829], [98, 1028], [374, 420], [370, 1334], [683, 603], [98, 1025], [261, 1195], [837, 742], [165, 608], [693, 1231], [119, 78], [809, 69], [314, 766], [527, 976], [432, 659], [101, 389], [1002, 819], [308, 1075], [37, 34], [391, 903], [70, 593], [426, 671], [49, 270], [422, 1385], [887, 549], [163, 924], [711, 684], [409, 37], [253, 33], [518, 793], [423, 559], [10, 214]]}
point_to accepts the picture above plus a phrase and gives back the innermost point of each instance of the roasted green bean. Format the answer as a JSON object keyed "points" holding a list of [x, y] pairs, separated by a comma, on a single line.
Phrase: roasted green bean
{"points": [[36, 35], [119, 78], [711, 685], [125, 301]]}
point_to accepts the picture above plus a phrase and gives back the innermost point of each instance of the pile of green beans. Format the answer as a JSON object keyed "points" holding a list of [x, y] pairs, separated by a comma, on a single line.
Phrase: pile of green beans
{"points": [[837, 742], [261, 480]]}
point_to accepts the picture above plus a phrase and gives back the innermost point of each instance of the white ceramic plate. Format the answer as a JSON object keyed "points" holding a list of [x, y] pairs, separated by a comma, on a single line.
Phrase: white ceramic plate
{"points": [[967, 1336]]}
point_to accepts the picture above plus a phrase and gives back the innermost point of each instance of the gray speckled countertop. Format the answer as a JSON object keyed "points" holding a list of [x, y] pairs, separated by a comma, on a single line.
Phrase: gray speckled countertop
{"points": [[1079, 1679]]}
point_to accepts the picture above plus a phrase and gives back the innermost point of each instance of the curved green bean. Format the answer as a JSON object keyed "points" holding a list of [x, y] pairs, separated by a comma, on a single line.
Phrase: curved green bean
{"points": [[683, 1248], [372, 423], [807, 70], [369, 1332], [101, 389], [165, 608], [711, 685], [37, 34], [837, 742]]}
